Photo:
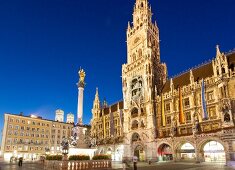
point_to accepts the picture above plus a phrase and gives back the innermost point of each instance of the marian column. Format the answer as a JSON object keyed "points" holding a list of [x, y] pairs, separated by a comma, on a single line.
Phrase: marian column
{"points": [[81, 85]]}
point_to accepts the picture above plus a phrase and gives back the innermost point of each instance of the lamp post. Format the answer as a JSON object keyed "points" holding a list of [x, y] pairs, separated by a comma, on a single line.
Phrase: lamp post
{"points": [[65, 151]]}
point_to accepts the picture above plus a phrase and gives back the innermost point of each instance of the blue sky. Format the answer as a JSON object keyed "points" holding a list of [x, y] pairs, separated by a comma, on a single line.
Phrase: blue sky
{"points": [[43, 43]]}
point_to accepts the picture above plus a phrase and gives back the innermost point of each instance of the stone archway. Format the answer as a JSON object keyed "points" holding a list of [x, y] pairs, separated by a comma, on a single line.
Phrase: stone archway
{"points": [[185, 151], [139, 152], [213, 151], [165, 152]]}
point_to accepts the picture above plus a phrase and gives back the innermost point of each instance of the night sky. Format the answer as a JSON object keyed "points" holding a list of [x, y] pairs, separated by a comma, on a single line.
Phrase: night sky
{"points": [[43, 43]]}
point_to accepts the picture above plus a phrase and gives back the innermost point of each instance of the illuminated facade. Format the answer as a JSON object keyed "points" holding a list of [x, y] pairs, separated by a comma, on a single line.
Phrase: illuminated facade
{"points": [[190, 116], [31, 136]]}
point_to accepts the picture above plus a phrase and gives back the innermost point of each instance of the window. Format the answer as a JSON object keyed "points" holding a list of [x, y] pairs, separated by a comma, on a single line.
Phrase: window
{"points": [[210, 96], [212, 113], [8, 147], [28, 128], [188, 117], [168, 120], [16, 127], [23, 121], [186, 102], [11, 120], [9, 141], [9, 132], [10, 126], [168, 107], [22, 127], [17, 120], [34, 123]]}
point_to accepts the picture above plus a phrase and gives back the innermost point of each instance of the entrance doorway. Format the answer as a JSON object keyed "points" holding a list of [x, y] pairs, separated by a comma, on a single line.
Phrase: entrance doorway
{"points": [[139, 152], [187, 152], [214, 152], [165, 153]]}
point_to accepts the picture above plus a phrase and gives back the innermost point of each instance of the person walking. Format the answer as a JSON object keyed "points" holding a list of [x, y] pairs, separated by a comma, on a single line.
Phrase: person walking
{"points": [[20, 161], [135, 160]]}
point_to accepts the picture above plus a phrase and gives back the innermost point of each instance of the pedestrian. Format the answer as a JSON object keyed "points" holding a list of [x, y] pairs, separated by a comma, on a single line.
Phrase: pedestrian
{"points": [[20, 161], [135, 160]]}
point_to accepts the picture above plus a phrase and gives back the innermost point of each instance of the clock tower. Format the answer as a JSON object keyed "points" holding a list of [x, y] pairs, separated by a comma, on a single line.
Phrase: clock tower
{"points": [[143, 77]]}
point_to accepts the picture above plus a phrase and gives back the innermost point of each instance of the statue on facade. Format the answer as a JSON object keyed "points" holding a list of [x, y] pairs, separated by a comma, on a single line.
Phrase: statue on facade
{"points": [[174, 127], [196, 127], [226, 110]]}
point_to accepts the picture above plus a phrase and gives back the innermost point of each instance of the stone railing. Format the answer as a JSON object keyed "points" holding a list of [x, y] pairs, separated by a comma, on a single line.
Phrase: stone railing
{"points": [[77, 165]]}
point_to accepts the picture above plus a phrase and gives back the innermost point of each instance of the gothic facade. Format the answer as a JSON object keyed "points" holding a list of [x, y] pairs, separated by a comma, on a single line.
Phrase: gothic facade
{"points": [[190, 116]]}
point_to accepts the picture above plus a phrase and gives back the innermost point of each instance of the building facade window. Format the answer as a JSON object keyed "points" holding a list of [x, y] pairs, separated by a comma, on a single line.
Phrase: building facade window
{"points": [[186, 103], [210, 96], [168, 107], [168, 120], [188, 117], [212, 112]]}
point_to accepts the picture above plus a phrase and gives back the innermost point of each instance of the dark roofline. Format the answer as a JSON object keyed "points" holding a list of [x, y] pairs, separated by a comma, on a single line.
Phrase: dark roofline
{"points": [[192, 68]]}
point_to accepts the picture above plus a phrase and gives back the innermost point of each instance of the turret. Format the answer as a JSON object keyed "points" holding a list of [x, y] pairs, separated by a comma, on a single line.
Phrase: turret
{"points": [[96, 105], [220, 64]]}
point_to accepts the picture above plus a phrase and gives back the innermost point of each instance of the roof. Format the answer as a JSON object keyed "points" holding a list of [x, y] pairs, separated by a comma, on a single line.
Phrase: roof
{"points": [[113, 108], [231, 58], [199, 73]]}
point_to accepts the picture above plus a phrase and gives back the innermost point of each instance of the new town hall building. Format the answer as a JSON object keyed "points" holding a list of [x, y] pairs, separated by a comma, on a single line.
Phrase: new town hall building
{"points": [[188, 117]]}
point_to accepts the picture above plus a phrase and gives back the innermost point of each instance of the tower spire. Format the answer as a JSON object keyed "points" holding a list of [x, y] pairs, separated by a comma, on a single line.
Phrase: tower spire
{"points": [[142, 13], [218, 53]]}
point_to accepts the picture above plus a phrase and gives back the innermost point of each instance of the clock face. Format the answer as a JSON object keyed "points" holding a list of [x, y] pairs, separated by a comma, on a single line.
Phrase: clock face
{"points": [[136, 88]]}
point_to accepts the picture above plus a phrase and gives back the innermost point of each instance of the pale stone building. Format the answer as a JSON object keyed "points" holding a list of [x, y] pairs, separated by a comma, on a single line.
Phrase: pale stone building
{"points": [[190, 116], [32, 136]]}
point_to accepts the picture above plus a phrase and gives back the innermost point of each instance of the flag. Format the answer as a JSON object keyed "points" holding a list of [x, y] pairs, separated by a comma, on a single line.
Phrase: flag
{"points": [[181, 113], [111, 124], [204, 109], [163, 112]]}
